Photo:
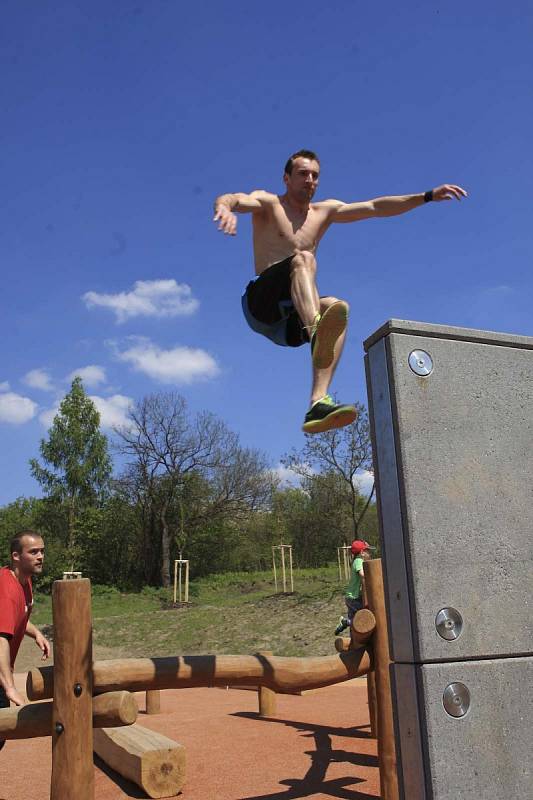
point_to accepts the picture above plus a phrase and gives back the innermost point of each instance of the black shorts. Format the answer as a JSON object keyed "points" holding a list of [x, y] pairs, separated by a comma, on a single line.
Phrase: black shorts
{"points": [[268, 307]]}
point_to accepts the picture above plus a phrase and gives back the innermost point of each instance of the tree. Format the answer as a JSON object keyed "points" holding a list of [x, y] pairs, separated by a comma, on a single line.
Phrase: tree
{"points": [[77, 464], [187, 471], [345, 452]]}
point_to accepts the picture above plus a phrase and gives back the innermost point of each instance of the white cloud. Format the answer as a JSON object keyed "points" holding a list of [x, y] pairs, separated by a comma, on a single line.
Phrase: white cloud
{"points": [[176, 366], [113, 410], [47, 417], [91, 375], [38, 379], [16, 409], [4, 386], [163, 298], [288, 478], [364, 482]]}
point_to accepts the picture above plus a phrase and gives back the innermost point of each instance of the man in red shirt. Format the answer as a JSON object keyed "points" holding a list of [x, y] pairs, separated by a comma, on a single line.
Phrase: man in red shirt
{"points": [[16, 601]]}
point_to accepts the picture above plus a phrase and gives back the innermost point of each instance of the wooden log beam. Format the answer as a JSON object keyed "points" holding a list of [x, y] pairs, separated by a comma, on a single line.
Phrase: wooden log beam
{"points": [[183, 672], [110, 710], [342, 644], [72, 728], [150, 760], [363, 627]]}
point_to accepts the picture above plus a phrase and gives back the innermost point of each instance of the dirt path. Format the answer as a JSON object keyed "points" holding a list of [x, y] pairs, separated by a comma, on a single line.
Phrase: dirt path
{"points": [[317, 747]]}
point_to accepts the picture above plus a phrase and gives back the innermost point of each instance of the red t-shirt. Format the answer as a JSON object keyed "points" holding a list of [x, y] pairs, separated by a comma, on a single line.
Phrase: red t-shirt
{"points": [[16, 602]]}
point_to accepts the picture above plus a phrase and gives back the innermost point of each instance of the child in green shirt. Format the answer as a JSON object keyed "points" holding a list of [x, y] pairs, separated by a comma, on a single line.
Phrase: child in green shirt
{"points": [[353, 595]]}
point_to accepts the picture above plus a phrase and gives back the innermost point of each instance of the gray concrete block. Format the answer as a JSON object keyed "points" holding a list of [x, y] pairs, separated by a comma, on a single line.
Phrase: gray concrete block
{"points": [[454, 466], [488, 752]]}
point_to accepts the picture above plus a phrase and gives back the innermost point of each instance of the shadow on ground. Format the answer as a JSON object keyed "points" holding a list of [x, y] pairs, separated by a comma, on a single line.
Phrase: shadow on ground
{"points": [[314, 781]]}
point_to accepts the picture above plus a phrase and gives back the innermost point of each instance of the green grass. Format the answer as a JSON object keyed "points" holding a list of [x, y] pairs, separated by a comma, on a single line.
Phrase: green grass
{"points": [[230, 613]]}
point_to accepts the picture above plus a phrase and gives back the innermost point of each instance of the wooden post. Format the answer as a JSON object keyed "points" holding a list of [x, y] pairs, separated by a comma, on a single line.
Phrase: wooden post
{"points": [[266, 696], [372, 704], [386, 746], [153, 701], [346, 563], [339, 563], [181, 593], [72, 728], [290, 567], [274, 567], [283, 569]]}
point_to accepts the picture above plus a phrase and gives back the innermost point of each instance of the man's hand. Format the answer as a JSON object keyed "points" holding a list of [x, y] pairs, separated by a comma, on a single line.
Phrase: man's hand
{"points": [[43, 644], [227, 220], [448, 191], [14, 696]]}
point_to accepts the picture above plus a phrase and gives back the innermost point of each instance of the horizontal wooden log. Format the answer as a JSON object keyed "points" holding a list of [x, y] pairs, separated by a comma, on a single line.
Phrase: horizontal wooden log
{"points": [[30, 721], [183, 672], [363, 627], [342, 644], [150, 760]]}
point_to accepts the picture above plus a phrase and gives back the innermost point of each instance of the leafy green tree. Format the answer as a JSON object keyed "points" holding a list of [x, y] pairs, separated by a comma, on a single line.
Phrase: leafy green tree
{"points": [[187, 473], [343, 452], [77, 466]]}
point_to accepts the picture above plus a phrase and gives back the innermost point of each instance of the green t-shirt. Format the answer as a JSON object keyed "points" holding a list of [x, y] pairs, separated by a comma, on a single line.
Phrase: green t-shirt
{"points": [[353, 590]]}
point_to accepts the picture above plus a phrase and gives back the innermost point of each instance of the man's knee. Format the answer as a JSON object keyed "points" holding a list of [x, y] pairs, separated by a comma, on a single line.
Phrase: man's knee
{"points": [[326, 302], [303, 260]]}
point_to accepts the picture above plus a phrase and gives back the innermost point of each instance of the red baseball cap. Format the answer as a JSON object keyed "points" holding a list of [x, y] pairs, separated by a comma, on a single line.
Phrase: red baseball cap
{"points": [[359, 545]]}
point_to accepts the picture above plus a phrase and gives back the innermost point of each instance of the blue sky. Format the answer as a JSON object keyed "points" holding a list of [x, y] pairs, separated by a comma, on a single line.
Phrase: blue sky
{"points": [[122, 121]]}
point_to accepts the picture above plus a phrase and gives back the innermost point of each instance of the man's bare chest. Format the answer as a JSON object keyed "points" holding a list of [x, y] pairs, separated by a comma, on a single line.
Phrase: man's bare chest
{"points": [[302, 231]]}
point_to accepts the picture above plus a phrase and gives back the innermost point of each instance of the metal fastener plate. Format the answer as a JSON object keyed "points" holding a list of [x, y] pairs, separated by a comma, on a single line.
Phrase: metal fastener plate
{"points": [[421, 363], [449, 624], [456, 699]]}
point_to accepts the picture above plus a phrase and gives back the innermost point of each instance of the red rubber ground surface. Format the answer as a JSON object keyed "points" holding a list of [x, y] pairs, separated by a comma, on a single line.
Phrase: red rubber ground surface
{"points": [[318, 746]]}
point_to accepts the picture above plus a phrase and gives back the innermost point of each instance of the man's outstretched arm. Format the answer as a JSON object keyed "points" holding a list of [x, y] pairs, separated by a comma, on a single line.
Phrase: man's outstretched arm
{"points": [[227, 204], [392, 206]]}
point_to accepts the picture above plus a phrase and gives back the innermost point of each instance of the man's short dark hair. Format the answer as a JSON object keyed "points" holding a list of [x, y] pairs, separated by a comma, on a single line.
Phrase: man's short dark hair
{"points": [[15, 545], [300, 154]]}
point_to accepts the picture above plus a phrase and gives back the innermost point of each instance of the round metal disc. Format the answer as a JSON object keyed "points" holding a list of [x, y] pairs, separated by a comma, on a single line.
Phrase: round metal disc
{"points": [[456, 699], [449, 624], [421, 363]]}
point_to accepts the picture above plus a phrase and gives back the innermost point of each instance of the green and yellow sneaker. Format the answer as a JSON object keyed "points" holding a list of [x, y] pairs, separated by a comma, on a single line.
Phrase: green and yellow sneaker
{"points": [[326, 331], [325, 415]]}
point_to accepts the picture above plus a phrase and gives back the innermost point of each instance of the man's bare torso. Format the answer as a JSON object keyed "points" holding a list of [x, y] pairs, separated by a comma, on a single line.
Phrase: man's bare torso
{"points": [[279, 230]]}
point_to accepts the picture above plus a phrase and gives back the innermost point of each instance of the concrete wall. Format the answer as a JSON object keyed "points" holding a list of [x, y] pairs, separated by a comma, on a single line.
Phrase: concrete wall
{"points": [[453, 455]]}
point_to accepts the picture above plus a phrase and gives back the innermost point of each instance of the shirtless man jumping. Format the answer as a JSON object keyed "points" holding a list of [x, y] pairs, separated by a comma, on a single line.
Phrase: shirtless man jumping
{"points": [[283, 302]]}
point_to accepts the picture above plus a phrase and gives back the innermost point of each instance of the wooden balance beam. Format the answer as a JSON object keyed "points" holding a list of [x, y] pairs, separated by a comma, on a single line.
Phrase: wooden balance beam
{"points": [[150, 760], [110, 710], [184, 672]]}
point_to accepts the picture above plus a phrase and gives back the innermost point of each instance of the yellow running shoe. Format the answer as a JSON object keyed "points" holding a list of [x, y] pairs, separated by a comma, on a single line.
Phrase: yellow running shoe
{"points": [[324, 415]]}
